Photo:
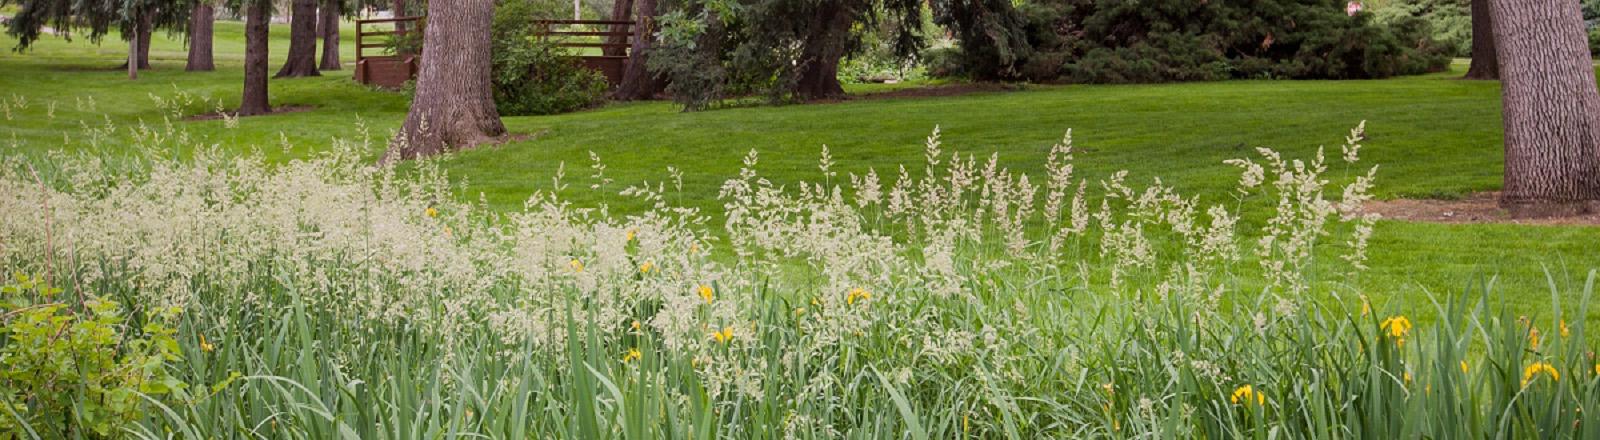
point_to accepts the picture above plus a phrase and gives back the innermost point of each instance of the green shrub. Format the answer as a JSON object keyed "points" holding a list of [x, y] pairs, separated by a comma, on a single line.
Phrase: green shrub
{"points": [[1179, 40], [538, 78], [73, 370], [943, 62], [531, 75], [688, 54]]}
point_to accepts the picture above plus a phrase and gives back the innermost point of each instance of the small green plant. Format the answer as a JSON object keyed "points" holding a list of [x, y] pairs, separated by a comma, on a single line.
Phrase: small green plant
{"points": [[76, 369]]}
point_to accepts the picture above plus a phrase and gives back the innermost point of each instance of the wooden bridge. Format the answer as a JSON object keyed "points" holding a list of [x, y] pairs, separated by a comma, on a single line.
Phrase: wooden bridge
{"points": [[600, 45]]}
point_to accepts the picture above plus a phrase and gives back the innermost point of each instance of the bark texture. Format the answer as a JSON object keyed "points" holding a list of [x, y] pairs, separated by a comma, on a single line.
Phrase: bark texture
{"points": [[328, 27], [453, 107], [1485, 65], [398, 9], [133, 56], [302, 59], [621, 10], [254, 101], [146, 25], [201, 20], [138, 35], [637, 80], [1549, 103], [819, 63]]}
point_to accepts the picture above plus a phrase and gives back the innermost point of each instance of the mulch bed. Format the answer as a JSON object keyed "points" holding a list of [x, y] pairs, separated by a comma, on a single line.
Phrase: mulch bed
{"points": [[1481, 207]]}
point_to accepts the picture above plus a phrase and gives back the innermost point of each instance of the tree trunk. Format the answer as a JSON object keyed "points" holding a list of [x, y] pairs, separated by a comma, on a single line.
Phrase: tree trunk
{"points": [[637, 80], [329, 28], [146, 25], [255, 58], [824, 47], [201, 20], [621, 10], [1549, 103], [398, 9], [302, 59], [1484, 63], [453, 107], [133, 54]]}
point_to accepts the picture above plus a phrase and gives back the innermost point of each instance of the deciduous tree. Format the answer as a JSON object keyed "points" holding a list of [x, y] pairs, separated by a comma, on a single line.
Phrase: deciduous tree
{"points": [[1550, 108], [454, 103], [638, 82], [621, 10]]}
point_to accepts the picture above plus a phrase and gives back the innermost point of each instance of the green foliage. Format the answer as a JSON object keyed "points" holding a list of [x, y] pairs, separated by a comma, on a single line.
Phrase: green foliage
{"points": [[1448, 21], [531, 75], [878, 59], [78, 370], [538, 78], [92, 18], [407, 43], [992, 36], [689, 55], [714, 49], [1178, 40]]}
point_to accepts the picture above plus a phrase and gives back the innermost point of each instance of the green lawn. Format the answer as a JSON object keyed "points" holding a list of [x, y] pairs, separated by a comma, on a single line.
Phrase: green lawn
{"points": [[1433, 135]]}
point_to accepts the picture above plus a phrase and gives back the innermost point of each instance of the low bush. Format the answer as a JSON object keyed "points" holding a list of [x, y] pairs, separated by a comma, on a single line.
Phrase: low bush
{"points": [[72, 366], [532, 76], [1100, 42]]}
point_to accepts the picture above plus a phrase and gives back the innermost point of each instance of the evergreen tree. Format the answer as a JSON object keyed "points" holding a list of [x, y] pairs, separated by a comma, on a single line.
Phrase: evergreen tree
{"points": [[136, 20]]}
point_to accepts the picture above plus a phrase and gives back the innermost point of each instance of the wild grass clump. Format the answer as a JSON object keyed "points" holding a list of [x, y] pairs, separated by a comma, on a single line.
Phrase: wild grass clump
{"points": [[324, 298]]}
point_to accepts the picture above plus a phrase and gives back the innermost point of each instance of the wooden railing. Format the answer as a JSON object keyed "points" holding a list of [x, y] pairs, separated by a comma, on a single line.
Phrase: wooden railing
{"points": [[613, 37], [361, 32], [390, 69], [602, 34], [586, 28]]}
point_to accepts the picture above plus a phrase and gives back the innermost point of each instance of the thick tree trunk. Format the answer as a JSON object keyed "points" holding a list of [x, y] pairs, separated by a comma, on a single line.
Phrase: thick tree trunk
{"points": [[1484, 63], [454, 104], [621, 10], [637, 80], [1550, 108], [201, 20], [255, 58], [824, 47], [302, 59], [328, 27]]}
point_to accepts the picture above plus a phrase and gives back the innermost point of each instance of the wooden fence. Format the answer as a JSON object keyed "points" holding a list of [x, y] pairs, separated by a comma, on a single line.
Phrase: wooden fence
{"points": [[392, 68], [601, 45]]}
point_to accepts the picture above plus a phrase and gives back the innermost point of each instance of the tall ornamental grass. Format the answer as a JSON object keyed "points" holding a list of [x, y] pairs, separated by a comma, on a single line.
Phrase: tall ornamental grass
{"points": [[326, 298]]}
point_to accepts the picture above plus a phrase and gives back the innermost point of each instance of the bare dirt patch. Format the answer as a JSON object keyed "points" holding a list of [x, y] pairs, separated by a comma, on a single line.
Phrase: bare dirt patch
{"points": [[1475, 208], [212, 116]]}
